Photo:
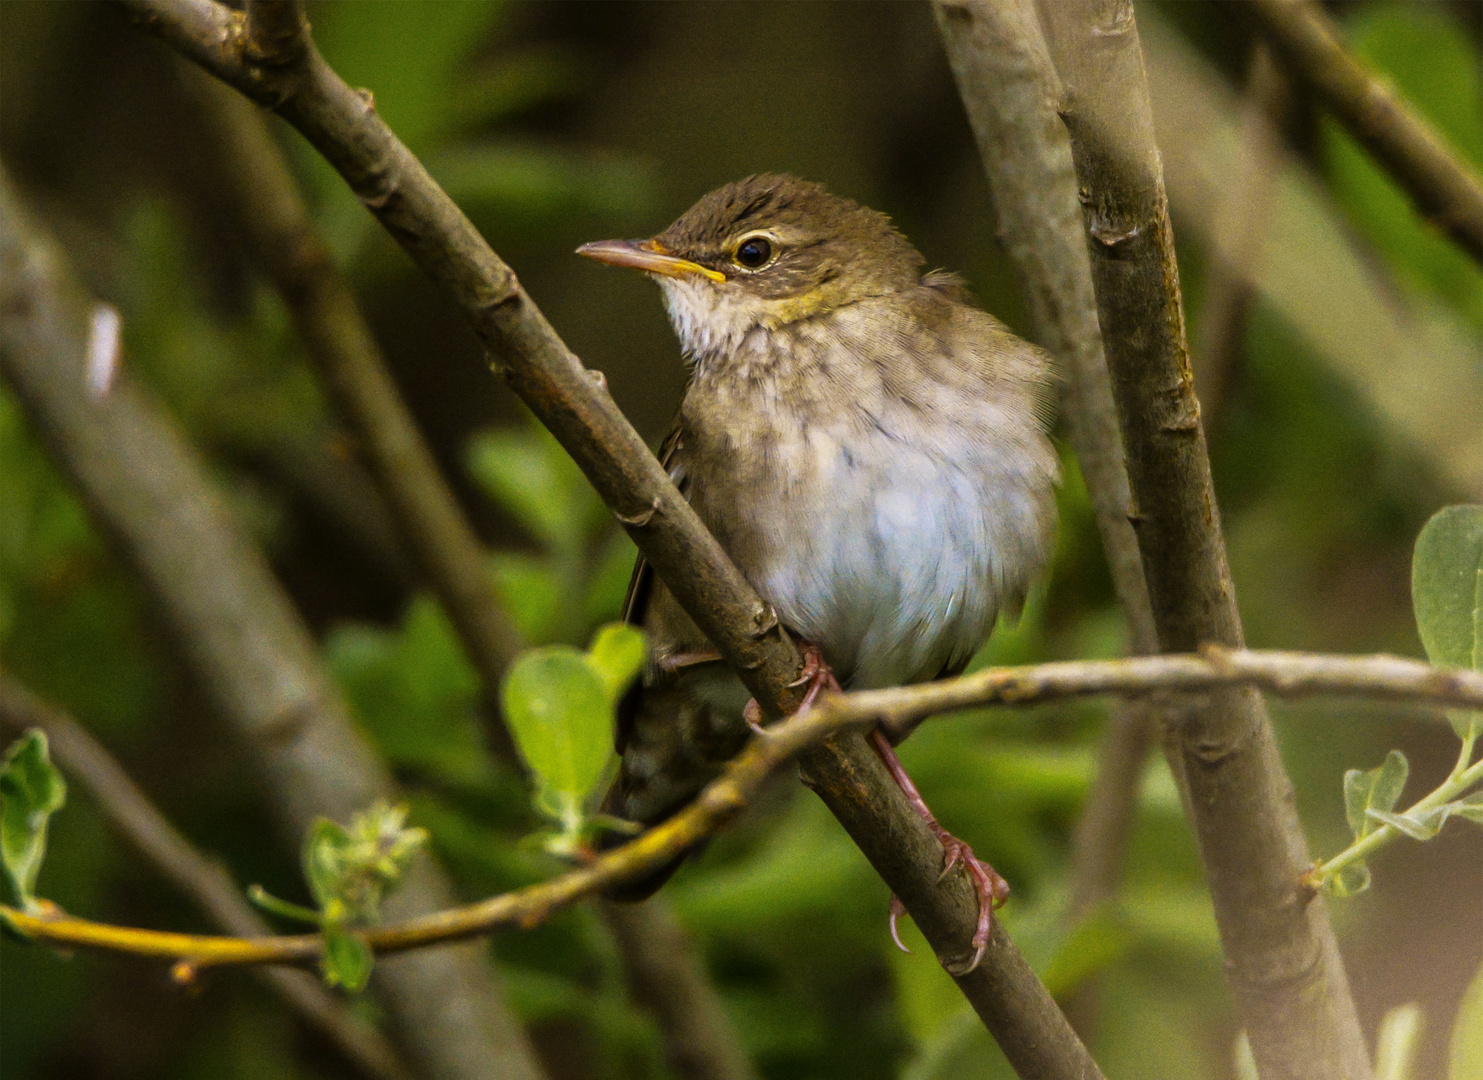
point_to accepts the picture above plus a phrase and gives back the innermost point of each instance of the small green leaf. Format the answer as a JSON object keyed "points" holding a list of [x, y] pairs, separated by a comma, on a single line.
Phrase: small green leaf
{"points": [[323, 844], [1470, 807], [31, 790], [1351, 880], [1422, 826], [561, 714], [350, 869], [347, 960], [1465, 1057], [1447, 587], [1377, 789], [617, 655]]}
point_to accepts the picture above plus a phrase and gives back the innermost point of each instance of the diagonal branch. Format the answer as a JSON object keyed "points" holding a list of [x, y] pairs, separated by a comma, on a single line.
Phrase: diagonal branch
{"points": [[575, 406], [1445, 191], [198, 877], [1283, 964]]}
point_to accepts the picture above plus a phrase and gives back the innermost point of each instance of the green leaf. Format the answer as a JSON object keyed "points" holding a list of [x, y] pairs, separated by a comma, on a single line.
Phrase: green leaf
{"points": [[323, 845], [617, 655], [31, 790], [1378, 789], [1465, 1057], [350, 869], [1470, 807], [347, 960], [560, 712], [1447, 593], [1418, 826]]}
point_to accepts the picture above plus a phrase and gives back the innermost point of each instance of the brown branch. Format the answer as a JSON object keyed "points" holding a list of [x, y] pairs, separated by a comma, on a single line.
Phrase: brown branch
{"points": [[575, 406], [1446, 192], [277, 32], [666, 977], [1008, 86], [236, 629], [198, 877], [1283, 964], [1287, 674]]}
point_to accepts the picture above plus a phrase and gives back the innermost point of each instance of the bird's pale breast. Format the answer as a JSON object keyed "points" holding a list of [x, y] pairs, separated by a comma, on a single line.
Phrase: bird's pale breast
{"points": [[880, 476]]}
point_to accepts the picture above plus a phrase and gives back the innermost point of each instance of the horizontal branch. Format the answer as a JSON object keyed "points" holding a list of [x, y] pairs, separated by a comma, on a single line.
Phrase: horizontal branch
{"points": [[1286, 674]]}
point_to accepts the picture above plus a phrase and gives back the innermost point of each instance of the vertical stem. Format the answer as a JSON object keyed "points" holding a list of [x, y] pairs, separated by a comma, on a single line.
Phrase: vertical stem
{"points": [[1283, 964]]}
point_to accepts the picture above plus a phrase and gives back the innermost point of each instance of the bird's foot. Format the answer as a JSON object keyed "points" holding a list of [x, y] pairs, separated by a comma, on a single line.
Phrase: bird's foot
{"points": [[817, 675], [991, 888]]}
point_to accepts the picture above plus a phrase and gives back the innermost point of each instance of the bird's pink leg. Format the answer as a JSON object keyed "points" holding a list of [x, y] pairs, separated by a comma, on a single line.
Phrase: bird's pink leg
{"points": [[992, 889], [817, 675]]}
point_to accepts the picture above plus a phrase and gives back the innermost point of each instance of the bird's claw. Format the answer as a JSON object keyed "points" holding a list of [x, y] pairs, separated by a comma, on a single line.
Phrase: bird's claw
{"points": [[991, 888], [752, 714], [898, 909]]}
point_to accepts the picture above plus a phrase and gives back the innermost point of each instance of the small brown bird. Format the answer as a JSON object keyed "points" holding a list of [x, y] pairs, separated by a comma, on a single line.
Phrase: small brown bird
{"points": [[868, 447]]}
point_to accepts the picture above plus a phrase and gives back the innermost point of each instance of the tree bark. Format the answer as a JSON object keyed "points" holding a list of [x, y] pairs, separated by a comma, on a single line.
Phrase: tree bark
{"points": [[1283, 963]]}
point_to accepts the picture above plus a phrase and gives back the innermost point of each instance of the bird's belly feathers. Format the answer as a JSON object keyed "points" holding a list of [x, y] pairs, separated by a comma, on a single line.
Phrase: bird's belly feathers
{"points": [[893, 555]]}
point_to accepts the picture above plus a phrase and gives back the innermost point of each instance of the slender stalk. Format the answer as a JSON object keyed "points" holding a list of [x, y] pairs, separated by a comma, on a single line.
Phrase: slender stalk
{"points": [[237, 631], [1282, 961], [1285, 674], [1465, 773], [203, 880], [1446, 192]]}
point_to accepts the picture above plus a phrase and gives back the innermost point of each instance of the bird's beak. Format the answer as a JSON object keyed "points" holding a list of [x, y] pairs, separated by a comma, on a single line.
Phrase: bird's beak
{"points": [[647, 255]]}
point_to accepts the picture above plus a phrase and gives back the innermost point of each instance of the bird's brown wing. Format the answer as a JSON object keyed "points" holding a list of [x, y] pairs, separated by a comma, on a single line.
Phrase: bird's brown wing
{"points": [[641, 588]]}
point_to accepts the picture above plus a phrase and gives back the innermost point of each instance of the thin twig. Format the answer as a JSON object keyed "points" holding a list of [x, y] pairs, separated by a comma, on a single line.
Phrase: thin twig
{"points": [[198, 877], [237, 630], [1282, 961], [526, 352], [1286, 674], [1445, 191]]}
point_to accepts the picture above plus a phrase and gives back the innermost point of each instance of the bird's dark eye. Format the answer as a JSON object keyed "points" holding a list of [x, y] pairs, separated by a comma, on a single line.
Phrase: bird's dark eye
{"points": [[753, 253]]}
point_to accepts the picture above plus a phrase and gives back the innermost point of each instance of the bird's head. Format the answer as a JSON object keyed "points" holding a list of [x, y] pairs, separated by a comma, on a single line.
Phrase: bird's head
{"points": [[764, 252]]}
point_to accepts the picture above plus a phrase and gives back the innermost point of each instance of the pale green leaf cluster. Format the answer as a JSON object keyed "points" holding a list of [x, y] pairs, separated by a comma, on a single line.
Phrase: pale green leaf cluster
{"points": [[31, 790]]}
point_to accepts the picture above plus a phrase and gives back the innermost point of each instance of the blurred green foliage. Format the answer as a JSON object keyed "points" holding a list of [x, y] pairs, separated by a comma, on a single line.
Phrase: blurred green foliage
{"points": [[1320, 502]]}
